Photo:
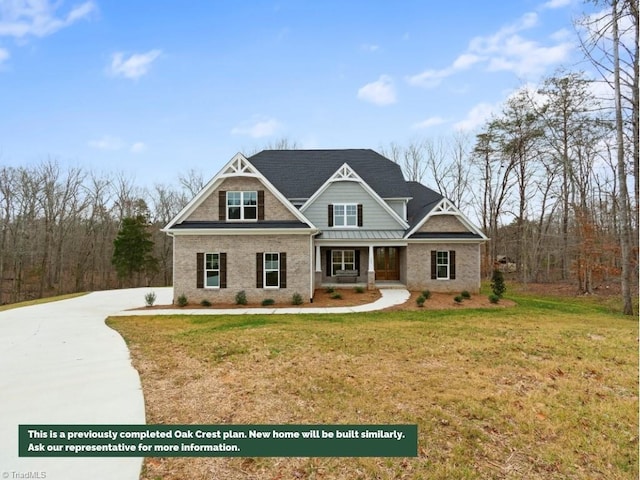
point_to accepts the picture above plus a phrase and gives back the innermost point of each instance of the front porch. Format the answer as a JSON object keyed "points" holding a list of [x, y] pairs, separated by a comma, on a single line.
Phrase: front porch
{"points": [[373, 266]]}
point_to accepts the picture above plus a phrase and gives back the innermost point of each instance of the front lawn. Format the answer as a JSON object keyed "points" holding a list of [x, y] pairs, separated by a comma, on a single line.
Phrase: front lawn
{"points": [[544, 390]]}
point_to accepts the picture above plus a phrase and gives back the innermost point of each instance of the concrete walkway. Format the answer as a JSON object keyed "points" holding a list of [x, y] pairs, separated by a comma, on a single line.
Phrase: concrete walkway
{"points": [[60, 364]]}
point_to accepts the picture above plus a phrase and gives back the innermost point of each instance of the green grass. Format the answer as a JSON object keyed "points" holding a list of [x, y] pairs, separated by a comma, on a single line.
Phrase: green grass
{"points": [[39, 301], [544, 390]]}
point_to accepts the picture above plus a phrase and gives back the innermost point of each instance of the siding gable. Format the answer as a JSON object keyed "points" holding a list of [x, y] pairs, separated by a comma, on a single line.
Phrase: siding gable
{"points": [[374, 216]]}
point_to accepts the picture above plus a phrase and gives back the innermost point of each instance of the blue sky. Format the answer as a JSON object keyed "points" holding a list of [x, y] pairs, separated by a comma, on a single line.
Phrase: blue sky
{"points": [[152, 89]]}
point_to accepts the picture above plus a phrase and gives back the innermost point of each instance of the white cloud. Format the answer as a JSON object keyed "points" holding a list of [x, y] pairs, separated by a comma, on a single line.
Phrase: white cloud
{"points": [[4, 54], [368, 47], [258, 127], [504, 50], [107, 142], [429, 122], [551, 4], [380, 92], [476, 117], [38, 18], [137, 65], [138, 147]]}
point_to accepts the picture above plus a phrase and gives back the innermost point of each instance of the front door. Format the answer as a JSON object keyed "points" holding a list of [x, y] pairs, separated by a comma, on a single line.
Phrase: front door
{"points": [[387, 263]]}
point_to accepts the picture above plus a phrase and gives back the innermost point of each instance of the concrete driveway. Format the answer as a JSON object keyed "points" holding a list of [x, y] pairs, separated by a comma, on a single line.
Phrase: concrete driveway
{"points": [[60, 364]]}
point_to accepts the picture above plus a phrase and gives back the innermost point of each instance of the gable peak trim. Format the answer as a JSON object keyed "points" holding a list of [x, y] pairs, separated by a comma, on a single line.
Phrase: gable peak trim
{"points": [[238, 166]]}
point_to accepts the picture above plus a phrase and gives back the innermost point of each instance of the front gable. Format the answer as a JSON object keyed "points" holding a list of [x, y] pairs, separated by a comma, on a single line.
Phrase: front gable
{"points": [[238, 175], [346, 187], [445, 220]]}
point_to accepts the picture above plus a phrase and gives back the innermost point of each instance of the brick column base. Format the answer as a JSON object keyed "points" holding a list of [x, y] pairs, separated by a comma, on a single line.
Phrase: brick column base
{"points": [[371, 280]]}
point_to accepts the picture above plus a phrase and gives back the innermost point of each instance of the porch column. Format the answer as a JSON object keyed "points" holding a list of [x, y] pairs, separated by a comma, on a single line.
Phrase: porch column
{"points": [[318, 259], [371, 274]]}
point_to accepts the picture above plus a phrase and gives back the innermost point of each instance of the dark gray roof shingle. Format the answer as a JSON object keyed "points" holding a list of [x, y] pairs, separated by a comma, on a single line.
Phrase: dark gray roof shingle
{"points": [[424, 199], [300, 173]]}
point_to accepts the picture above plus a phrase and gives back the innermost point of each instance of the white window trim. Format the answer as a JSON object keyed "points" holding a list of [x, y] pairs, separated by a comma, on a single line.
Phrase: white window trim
{"points": [[448, 265], [241, 219], [344, 224], [264, 271], [342, 260], [213, 287]]}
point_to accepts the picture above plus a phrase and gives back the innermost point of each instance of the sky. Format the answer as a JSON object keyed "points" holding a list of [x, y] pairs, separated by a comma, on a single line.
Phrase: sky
{"points": [[154, 89]]}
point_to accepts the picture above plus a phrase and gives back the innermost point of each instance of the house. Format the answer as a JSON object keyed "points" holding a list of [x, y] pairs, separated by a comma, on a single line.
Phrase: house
{"points": [[291, 221]]}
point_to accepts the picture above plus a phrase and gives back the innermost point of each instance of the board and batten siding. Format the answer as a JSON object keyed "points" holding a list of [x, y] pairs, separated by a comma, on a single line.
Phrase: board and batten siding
{"points": [[375, 217]]}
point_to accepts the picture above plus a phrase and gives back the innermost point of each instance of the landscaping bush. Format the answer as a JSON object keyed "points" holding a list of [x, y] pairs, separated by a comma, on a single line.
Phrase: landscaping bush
{"points": [[150, 299], [268, 301], [329, 290], [420, 301], [359, 289], [465, 294], [497, 283], [205, 303], [493, 298], [241, 298], [336, 296], [426, 294], [296, 299], [458, 299], [182, 300]]}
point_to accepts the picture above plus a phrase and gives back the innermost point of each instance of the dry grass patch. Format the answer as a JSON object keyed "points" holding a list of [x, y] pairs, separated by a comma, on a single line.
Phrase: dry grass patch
{"points": [[545, 390]]}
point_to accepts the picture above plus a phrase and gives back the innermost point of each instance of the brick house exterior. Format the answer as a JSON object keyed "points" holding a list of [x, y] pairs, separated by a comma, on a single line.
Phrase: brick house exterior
{"points": [[286, 222]]}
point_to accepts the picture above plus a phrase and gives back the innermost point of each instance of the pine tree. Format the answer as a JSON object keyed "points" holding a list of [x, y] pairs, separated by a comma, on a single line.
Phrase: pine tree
{"points": [[132, 248]]}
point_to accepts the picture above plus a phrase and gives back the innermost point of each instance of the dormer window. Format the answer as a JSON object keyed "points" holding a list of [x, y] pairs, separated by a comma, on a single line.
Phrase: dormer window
{"points": [[345, 215], [242, 205]]}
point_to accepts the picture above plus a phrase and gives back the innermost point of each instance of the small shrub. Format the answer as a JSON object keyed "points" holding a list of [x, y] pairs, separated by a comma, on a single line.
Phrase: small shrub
{"points": [[458, 299], [182, 300], [359, 289], [426, 294], [241, 298], [493, 298], [497, 283], [205, 303], [296, 299], [420, 301], [336, 296], [150, 299], [329, 290], [465, 294], [268, 301]]}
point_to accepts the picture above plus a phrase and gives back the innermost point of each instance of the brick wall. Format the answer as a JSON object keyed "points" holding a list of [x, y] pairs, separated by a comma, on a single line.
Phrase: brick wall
{"points": [[241, 266], [467, 267], [443, 223], [273, 208]]}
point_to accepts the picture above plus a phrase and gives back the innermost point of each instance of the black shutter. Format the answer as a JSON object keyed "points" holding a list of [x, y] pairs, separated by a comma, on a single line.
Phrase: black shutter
{"points": [[328, 261], [452, 264], [357, 255], [359, 214], [200, 270], [222, 205], [330, 215], [283, 270], [260, 204], [259, 269], [434, 274], [223, 270]]}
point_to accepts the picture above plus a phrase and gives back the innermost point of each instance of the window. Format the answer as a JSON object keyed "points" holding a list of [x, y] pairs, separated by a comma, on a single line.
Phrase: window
{"points": [[342, 260], [242, 205], [345, 215], [443, 264], [271, 269], [212, 270]]}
